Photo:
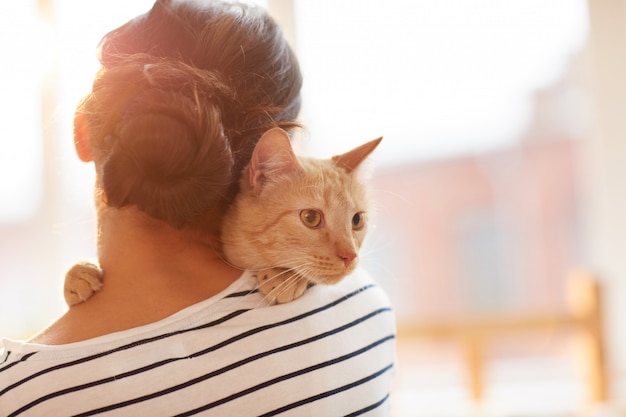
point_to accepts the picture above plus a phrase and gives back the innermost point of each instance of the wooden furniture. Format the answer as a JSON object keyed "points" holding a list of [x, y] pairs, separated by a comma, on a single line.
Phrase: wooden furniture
{"points": [[583, 318]]}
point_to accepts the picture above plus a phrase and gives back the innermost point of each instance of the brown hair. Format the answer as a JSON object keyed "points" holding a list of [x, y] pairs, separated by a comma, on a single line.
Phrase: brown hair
{"points": [[183, 94]]}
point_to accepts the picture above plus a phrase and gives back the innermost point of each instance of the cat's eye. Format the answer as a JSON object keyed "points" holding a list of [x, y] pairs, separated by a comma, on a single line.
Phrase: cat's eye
{"points": [[311, 218], [358, 221]]}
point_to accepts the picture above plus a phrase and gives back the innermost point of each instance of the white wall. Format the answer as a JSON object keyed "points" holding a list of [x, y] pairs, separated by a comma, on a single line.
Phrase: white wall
{"points": [[604, 157]]}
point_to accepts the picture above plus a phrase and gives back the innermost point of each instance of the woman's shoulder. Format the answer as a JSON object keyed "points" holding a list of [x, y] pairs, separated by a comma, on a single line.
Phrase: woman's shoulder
{"points": [[241, 308], [336, 339], [356, 291], [354, 306]]}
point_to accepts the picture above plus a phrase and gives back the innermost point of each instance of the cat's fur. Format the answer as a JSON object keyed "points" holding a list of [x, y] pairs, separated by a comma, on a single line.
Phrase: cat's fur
{"points": [[296, 221]]}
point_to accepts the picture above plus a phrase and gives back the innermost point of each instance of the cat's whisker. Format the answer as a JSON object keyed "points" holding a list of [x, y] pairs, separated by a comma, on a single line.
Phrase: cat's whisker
{"points": [[223, 259], [286, 285], [288, 271], [394, 194]]}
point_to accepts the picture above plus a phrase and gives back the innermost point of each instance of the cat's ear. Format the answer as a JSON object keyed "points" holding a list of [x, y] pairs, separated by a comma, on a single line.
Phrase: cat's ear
{"points": [[82, 140], [272, 156], [352, 159]]}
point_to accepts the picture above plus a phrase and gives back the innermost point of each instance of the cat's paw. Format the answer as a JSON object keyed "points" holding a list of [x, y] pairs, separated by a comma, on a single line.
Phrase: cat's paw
{"points": [[81, 282], [280, 285]]}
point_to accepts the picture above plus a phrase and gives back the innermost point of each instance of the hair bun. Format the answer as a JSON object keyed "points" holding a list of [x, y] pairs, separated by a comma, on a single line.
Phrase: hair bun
{"points": [[170, 156], [184, 92]]}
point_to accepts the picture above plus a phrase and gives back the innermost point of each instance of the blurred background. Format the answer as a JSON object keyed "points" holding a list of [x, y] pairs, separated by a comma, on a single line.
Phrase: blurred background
{"points": [[500, 185]]}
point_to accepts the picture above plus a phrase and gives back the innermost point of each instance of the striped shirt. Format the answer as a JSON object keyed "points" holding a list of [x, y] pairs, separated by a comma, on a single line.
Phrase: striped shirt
{"points": [[329, 353]]}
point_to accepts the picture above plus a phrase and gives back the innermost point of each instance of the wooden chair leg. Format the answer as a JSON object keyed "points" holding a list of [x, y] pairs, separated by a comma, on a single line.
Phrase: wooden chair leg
{"points": [[584, 299], [474, 358]]}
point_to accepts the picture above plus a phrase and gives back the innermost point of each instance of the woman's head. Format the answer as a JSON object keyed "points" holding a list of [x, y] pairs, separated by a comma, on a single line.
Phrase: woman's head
{"points": [[183, 94]]}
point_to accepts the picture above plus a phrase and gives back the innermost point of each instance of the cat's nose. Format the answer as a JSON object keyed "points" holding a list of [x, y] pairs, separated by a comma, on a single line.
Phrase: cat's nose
{"points": [[347, 258]]}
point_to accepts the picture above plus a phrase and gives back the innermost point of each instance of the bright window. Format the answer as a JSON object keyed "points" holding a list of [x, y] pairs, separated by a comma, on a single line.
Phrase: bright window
{"points": [[25, 50]]}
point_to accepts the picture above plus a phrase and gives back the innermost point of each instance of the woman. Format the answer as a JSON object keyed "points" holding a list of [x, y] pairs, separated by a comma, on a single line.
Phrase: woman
{"points": [[184, 93]]}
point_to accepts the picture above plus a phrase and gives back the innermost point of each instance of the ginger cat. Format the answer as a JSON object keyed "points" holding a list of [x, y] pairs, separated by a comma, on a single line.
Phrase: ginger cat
{"points": [[296, 221]]}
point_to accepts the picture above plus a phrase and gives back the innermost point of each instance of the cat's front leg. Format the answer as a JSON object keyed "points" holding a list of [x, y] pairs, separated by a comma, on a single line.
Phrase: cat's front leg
{"points": [[281, 285], [81, 282]]}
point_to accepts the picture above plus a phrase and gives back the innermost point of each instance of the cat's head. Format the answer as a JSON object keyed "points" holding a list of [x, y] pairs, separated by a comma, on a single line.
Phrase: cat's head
{"points": [[308, 215]]}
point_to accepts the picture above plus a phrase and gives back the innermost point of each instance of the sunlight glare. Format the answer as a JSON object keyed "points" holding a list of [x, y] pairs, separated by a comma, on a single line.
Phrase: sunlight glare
{"points": [[434, 78], [27, 48]]}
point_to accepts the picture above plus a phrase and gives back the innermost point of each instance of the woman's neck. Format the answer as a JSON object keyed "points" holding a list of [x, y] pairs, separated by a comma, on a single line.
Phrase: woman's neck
{"points": [[150, 271], [137, 252]]}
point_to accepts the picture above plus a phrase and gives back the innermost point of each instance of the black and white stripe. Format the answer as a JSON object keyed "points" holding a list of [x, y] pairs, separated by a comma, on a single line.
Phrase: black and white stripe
{"points": [[329, 353]]}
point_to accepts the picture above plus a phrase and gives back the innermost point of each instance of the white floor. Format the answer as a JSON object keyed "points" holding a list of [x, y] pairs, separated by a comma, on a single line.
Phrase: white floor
{"points": [[528, 387]]}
